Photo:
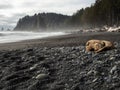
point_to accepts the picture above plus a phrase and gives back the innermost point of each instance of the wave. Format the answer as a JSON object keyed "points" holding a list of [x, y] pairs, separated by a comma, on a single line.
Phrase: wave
{"points": [[15, 36]]}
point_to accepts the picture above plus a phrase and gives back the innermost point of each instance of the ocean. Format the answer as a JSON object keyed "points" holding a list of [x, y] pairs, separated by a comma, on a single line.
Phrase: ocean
{"points": [[16, 36]]}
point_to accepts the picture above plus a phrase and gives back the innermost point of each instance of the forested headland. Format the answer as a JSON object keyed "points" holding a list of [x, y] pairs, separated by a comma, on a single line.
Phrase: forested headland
{"points": [[102, 12]]}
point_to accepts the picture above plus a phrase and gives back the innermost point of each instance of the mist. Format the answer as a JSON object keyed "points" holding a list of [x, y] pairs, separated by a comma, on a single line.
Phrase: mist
{"points": [[16, 36]]}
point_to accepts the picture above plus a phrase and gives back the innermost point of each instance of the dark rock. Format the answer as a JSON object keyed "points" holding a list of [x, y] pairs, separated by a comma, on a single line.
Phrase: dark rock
{"points": [[59, 68]]}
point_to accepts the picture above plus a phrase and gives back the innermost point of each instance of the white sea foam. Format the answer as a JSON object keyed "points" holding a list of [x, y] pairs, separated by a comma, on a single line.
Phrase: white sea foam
{"points": [[15, 36]]}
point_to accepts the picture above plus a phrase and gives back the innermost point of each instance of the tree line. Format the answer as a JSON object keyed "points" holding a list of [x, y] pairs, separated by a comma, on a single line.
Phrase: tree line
{"points": [[102, 12]]}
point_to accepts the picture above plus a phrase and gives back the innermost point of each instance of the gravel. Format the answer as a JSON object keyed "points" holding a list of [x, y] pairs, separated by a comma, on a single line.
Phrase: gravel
{"points": [[60, 68]]}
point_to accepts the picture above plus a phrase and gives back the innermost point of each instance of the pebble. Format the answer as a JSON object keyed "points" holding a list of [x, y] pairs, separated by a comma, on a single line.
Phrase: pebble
{"points": [[90, 72], [95, 80], [117, 62], [69, 65], [112, 58], [113, 69], [41, 76], [31, 68]]}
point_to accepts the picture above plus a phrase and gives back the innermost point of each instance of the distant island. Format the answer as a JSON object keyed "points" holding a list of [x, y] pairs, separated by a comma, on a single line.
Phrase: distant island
{"points": [[102, 12]]}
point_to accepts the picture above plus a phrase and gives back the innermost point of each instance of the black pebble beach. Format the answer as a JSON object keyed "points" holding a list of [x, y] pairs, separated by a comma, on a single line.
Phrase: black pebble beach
{"points": [[60, 68]]}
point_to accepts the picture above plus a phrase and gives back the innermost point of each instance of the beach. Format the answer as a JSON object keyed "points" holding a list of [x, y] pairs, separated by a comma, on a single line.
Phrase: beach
{"points": [[73, 39], [60, 63]]}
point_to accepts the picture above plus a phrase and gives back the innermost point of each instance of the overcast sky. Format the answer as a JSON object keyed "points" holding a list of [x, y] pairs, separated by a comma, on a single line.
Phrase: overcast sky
{"points": [[12, 10]]}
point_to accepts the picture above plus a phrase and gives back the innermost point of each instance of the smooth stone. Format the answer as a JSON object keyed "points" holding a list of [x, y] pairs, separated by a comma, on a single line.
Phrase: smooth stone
{"points": [[31, 68], [95, 80], [90, 72], [118, 62], [41, 76], [112, 58], [113, 69]]}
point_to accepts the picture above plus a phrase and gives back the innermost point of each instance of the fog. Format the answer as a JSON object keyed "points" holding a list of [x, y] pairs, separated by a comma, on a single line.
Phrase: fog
{"points": [[16, 36]]}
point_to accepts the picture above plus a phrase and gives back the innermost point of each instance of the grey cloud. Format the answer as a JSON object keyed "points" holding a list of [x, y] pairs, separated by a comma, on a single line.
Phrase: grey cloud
{"points": [[11, 21], [2, 16], [19, 15], [30, 4], [55, 4], [5, 6]]}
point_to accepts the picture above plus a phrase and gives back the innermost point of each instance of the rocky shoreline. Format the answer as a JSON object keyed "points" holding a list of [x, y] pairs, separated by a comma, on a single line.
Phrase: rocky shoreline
{"points": [[60, 63], [59, 68]]}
